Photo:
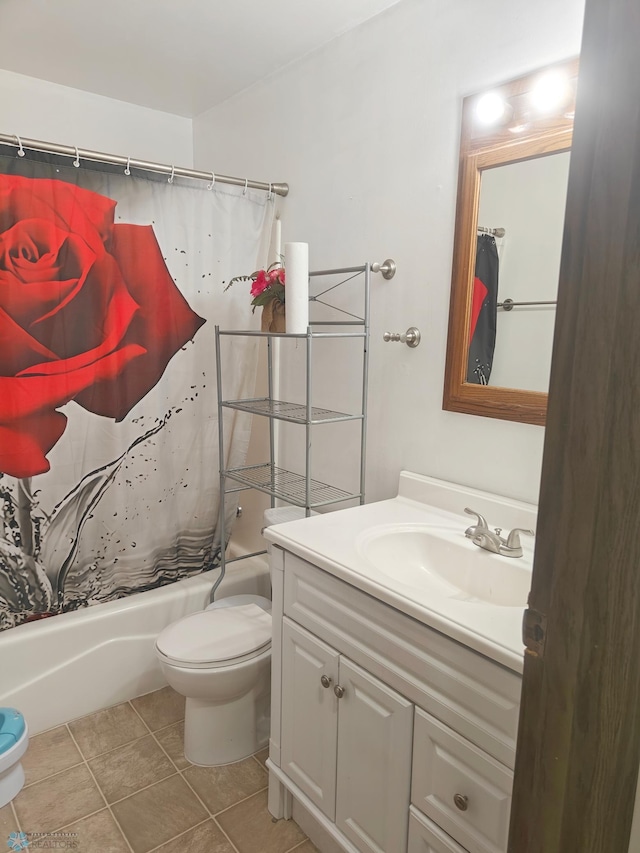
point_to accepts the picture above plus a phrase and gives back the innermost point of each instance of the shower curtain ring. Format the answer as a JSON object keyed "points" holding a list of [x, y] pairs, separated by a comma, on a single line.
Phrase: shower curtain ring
{"points": [[269, 195], [246, 184], [213, 180], [76, 162], [127, 171], [20, 148], [173, 172]]}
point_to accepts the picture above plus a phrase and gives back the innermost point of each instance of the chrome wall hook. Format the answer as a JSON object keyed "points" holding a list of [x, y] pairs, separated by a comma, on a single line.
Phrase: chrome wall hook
{"points": [[411, 337], [387, 268]]}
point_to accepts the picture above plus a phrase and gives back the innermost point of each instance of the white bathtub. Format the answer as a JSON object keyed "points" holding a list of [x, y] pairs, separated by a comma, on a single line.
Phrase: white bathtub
{"points": [[70, 665]]}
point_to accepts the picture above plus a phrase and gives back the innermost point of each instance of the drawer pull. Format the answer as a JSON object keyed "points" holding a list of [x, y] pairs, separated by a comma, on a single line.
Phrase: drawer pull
{"points": [[325, 681], [461, 801], [339, 691]]}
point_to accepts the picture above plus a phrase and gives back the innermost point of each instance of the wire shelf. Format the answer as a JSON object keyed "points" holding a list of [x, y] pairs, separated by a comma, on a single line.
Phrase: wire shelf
{"points": [[293, 412], [288, 486]]}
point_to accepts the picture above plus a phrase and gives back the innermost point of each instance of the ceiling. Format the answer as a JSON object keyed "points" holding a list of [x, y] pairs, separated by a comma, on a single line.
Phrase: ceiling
{"points": [[180, 56]]}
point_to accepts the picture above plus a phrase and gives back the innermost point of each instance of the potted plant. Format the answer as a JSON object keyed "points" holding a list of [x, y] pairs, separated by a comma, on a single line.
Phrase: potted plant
{"points": [[267, 290]]}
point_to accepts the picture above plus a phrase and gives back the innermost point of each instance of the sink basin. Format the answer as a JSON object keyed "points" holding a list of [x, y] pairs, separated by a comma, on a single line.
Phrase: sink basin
{"points": [[444, 560]]}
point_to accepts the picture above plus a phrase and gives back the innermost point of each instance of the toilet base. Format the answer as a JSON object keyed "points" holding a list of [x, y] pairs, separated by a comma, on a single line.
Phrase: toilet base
{"points": [[223, 733], [11, 782]]}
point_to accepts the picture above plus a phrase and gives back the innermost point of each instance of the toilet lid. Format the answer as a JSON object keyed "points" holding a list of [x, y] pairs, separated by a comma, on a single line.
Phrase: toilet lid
{"points": [[217, 635], [12, 727]]}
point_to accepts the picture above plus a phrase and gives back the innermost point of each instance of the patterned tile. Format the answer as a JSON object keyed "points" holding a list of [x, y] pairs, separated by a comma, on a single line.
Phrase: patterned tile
{"points": [[161, 708], [221, 787], [159, 813], [50, 753], [61, 799], [97, 833], [251, 828], [262, 756], [8, 823], [107, 729], [307, 847], [172, 740], [129, 768], [206, 838]]}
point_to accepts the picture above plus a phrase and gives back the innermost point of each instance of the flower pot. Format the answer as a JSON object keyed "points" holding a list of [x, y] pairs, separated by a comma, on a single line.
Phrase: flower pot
{"points": [[273, 317]]}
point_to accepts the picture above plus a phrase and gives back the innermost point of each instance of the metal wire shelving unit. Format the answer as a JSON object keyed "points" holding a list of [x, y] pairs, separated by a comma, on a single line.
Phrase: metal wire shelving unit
{"points": [[301, 489]]}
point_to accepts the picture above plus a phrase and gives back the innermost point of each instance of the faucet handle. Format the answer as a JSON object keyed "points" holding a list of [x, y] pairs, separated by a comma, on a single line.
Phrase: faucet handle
{"points": [[513, 539], [481, 524]]}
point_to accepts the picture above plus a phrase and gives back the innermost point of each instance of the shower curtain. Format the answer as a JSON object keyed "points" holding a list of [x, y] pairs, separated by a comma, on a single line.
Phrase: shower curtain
{"points": [[110, 288], [484, 308]]}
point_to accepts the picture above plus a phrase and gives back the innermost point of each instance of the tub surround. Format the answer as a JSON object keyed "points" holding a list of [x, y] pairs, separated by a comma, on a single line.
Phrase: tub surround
{"points": [[333, 543], [395, 696]]}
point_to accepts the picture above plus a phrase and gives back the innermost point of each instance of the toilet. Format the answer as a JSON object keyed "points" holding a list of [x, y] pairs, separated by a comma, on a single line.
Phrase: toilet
{"points": [[14, 739], [220, 659]]}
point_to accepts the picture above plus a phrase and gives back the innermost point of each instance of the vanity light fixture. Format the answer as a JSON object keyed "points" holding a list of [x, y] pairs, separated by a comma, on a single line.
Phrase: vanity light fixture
{"points": [[551, 92], [492, 109], [520, 127]]}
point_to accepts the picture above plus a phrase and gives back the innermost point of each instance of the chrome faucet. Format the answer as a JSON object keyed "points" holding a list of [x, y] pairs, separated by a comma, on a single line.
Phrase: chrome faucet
{"points": [[480, 527], [492, 541]]}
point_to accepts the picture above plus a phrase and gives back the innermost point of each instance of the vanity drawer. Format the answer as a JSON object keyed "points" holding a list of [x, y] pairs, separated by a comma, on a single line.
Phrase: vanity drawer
{"points": [[461, 788], [426, 837], [475, 696]]}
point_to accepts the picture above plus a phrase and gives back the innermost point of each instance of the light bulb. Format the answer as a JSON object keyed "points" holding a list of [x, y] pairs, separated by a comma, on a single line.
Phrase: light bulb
{"points": [[551, 92], [491, 109]]}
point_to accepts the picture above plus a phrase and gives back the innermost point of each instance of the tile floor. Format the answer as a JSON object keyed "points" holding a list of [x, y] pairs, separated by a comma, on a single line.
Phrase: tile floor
{"points": [[117, 782]]}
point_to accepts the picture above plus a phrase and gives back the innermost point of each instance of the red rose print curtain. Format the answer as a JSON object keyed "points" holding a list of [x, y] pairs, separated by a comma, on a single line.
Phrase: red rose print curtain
{"points": [[110, 288]]}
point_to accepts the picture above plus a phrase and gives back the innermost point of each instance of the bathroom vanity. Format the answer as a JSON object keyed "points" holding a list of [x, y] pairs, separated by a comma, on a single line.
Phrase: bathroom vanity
{"points": [[395, 688]]}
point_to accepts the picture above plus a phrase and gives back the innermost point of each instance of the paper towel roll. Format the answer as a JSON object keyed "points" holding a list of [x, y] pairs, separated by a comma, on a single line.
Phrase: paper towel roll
{"points": [[296, 262]]}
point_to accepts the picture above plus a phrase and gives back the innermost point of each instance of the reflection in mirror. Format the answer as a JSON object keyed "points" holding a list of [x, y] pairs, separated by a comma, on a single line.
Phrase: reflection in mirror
{"points": [[514, 162], [526, 199]]}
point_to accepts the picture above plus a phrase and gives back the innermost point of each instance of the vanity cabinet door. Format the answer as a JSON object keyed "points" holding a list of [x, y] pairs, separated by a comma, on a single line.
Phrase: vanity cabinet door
{"points": [[309, 715], [375, 732]]}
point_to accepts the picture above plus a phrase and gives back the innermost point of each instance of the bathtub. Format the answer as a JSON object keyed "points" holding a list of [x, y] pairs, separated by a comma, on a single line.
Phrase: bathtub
{"points": [[70, 665]]}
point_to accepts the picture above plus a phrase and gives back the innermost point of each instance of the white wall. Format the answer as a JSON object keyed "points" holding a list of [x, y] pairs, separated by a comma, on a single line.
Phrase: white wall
{"points": [[366, 131], [41, 110]]}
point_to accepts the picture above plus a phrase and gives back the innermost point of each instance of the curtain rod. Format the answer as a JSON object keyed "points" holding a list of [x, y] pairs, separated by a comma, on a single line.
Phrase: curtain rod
{"points": [[495, 232], [129, 162]]}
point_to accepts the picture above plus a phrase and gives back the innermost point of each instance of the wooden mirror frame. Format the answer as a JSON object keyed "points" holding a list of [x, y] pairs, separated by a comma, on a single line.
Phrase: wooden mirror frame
{"points": [[484, 149]]}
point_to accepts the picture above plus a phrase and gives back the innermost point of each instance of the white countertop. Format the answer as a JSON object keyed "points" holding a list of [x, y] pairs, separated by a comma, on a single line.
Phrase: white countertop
{"points": [[330, 541]]}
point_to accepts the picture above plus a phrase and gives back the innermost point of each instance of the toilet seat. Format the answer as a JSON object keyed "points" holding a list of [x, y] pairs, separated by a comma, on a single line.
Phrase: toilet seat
{"points": [[228, 632]]}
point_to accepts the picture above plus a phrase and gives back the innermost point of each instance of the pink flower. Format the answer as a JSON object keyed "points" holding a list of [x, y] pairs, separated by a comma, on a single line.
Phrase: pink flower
{"points": [[260, 283], [276, 274]]}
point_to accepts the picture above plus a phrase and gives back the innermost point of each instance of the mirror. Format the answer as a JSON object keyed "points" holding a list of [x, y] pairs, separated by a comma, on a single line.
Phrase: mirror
{"points": [[514, 164]]}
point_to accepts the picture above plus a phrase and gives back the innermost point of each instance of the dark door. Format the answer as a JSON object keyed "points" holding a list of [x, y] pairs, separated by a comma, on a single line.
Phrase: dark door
{"points": [[579, 738]]}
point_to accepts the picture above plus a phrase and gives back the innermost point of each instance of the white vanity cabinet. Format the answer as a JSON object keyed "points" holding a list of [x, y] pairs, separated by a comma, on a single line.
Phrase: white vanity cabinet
{"points": [[396, 738], [346, 741]]}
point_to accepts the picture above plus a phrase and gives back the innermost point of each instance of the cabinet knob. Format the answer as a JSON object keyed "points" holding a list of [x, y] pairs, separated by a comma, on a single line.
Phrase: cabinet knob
{"points": [[461, 801], [339, 691], [325, 681]]}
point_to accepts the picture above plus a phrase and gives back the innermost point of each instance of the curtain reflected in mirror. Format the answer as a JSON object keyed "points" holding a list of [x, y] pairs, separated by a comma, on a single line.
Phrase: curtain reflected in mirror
{"points": [[484, 310]]}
